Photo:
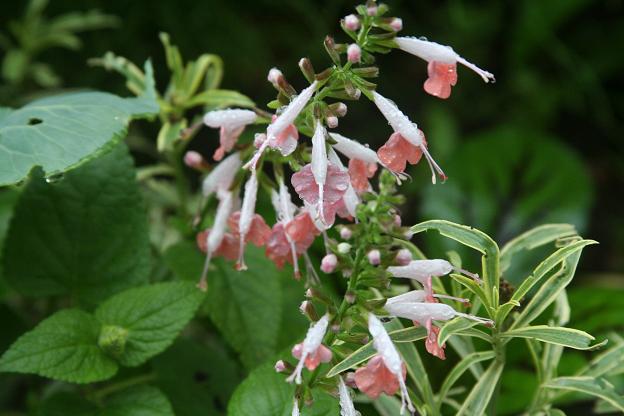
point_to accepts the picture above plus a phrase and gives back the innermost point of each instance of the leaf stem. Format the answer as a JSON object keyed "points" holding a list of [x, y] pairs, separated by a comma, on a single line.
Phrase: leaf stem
{"points": [[100, 394]]}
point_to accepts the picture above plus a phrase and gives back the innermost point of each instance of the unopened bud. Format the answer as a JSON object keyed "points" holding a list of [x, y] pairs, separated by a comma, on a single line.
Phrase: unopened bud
{"points": [[354, 53], [308, 310], [194, 160], [344, 248], [371, 10], [345, 233], [259, 138], [352, 22], [307, 69], [331, 121], [397, 220], [309, 293], [396, 24], [349, 380], [274, 75], [335, 328], [280, 367], [339, 109], [329, 263], [350, 297], [374, 257], [404, 257]]}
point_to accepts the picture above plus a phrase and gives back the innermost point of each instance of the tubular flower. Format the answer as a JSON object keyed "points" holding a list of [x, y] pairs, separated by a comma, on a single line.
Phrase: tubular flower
{"points": [[222, 176], [408, 131], [311, 348], [345, 208], [385, 369], [246, 217], [423, 313], [281, 130], [362, 161], [442, 67], [231, 123], [334, 188], [216, 235], [346, 402], [423, 270]]}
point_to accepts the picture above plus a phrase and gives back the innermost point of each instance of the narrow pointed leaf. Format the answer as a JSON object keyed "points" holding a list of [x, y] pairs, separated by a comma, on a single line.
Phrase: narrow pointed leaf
{"points": [[567, 337], [460, 368], [480, 395], [596, 387]]}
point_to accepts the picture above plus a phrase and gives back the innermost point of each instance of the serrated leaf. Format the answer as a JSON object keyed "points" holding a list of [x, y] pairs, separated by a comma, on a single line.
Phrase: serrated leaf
{"points": [[567, 337], [247, 306], [220, 99], [61, 132], [367, 351], [536, 237], [476, 240], [265, 392], [63, 347], [480, 395], [88, 232], [153, 316], [198, 377], [596, 387]]}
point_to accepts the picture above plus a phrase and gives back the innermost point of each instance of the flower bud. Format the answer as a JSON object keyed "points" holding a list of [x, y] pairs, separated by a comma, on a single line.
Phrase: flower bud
{"points": [[354, 53], [396, 24], [349, 380], [280, 367], [331, 121], [397, 220], [259, 138], [339, 109], [403, 257], [194, 160], [274, 76], [350, 297], [371, 10], [307, 69], [344, 248], [374, 257], [308, 310], [329, 263], [345, 233], [352, 22]]}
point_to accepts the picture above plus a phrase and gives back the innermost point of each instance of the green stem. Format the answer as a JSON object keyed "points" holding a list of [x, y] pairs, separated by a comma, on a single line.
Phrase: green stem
{"points": [[499, 350], [100, 394]]}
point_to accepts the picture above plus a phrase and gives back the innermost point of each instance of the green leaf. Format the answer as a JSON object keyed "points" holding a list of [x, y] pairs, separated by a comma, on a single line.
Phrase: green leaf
{"points": [[61, 132], [536, 237], [247, 306], [454, 326], [135, 78], [220, 99], [476, 240], [567, 337], [549, 291], [63, 347], [596, 387], [387, 405], [152, 317], [406, 335], [480, 395], [169, 134], [266, 392], [87, 232], [460, 368], [198, 378], [8, 199]]}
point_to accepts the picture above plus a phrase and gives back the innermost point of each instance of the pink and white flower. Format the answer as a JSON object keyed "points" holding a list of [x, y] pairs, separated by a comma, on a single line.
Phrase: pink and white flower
{"points": [[352, 22], [222, 176], [409, 133], [442, 64], [246, 217], [354, 53], [386, 371], [231, 123], [346, 402], [362, 161], [281, 133], [311, 352]]}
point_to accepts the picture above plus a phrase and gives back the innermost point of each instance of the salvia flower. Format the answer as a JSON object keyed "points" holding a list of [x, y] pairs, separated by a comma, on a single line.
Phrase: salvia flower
{"points": [[231, 123], [424, 313], [442, 64], [215, 237], [346, 208], [246, 216], [386, 371], [410, 134], [222, 176], [311, 352], [362, 161], [281, 131], [346, 402], [295, 410]]}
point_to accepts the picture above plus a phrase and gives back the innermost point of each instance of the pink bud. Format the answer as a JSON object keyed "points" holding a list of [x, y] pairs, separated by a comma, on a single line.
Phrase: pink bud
{"points": [[349, 380], [280, 367], [374, 257], [335, 328], [371, 10], [194, 160], [397, 220], [332, 121], [259, 138], [341, 109], [309, 293], [350, 297], [352, 22], [304, 306], [329, 263], [354, 53], [345, 233], [396, 24], [404, 257], [274, 75]]}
